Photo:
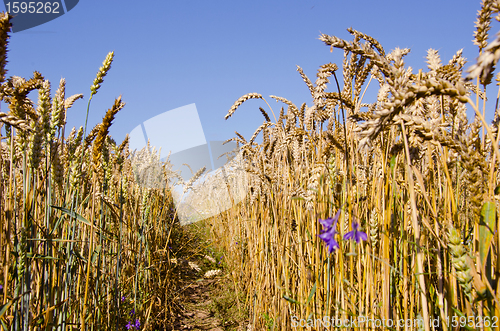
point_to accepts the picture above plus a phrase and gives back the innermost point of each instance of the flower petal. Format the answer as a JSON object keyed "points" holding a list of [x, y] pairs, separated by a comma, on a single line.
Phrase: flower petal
{"points": [[327, 223], [360, 235], [349, 235]]}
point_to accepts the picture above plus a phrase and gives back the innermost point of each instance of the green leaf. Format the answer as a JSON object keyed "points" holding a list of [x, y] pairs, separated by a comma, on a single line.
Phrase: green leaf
{"points": [[72, 214], [84, 220], [393, 163], [55, 226], [462, 315], [4, 308], [3, 324], [287, 298], [311, 294], [486, 229], [96, 253]]}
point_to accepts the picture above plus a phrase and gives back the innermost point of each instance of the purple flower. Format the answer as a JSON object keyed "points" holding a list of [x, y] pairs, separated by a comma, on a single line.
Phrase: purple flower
{"points": [[137, 324], [329, 238], [329, 222], [355, 234], [329, 231], [132, 312], [123, 299], [129, 325]]}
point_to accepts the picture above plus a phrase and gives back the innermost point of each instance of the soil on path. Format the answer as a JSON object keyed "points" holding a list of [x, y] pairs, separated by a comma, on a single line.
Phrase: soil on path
{"points": [[205, 304]]}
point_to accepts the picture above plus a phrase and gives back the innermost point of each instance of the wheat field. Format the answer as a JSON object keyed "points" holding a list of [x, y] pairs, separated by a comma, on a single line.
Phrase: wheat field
{"points": [[384, 210], [85, 243], [377, 212]]}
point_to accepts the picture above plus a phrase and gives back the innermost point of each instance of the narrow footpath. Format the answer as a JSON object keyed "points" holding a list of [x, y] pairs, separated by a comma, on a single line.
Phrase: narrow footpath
{"points": [[205, 299]]}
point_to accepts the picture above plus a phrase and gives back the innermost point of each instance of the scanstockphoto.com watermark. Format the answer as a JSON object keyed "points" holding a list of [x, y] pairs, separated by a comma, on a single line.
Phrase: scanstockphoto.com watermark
{"points": [[360, 322], [418, 323]]}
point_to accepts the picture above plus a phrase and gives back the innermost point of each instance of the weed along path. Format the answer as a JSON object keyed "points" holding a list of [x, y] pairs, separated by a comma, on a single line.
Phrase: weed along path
{"points": [[205, 298]]}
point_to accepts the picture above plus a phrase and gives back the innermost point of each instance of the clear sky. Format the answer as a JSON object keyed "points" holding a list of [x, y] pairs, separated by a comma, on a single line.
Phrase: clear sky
{"points": [[169, 54]]}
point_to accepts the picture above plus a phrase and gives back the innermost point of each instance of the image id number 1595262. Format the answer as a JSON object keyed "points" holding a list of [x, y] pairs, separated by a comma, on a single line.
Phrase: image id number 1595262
{"points": [[33, 7]]}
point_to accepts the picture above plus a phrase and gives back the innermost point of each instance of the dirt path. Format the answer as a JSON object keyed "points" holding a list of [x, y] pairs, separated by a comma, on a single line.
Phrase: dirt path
{"points": [[205, 303]]}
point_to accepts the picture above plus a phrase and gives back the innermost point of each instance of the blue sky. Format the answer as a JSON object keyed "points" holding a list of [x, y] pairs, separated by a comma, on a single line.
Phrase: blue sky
{"points": [[169, 54]]}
